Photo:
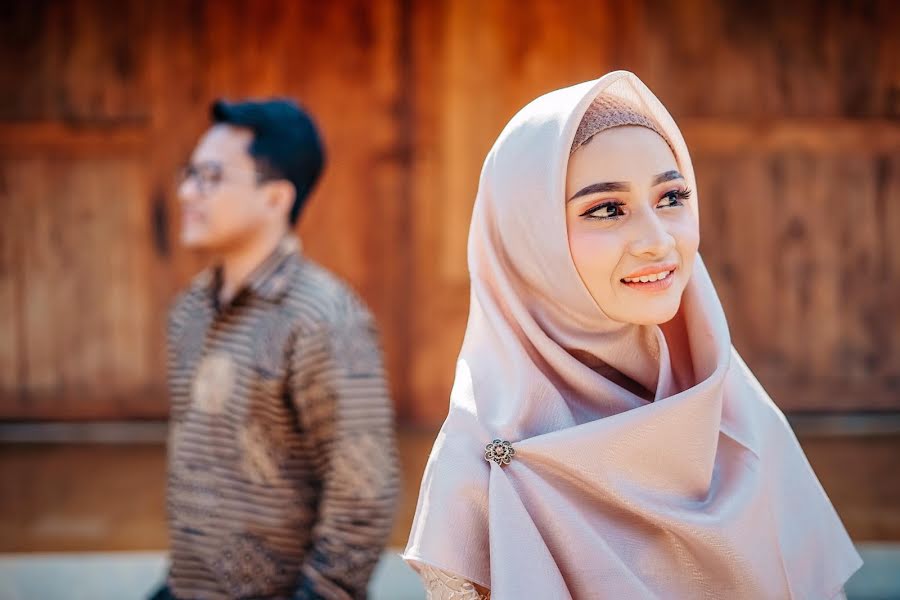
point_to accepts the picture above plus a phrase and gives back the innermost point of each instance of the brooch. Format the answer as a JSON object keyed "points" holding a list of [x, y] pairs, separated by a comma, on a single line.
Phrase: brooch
{"points": [[500, 452]]}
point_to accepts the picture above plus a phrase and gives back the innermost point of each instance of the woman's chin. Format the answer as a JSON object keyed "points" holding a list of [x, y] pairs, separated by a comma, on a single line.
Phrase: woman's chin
{"points": [[649, 312]]}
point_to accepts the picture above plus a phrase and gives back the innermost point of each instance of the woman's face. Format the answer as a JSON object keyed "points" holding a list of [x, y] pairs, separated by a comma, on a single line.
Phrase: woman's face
{"points": [[632, 232]]}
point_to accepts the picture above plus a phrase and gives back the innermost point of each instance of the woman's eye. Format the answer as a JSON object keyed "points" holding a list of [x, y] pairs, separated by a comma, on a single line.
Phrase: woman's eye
{"points": [[674, 198], [607, 210]]}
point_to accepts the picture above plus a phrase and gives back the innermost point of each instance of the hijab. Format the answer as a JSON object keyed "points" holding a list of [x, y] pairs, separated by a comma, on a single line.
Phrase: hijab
{"points": [[697, 489]]}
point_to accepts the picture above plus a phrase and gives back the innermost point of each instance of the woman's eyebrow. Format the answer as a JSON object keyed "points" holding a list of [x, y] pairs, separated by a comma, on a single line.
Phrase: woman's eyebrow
{"points": [[667, 176], [599, 188]]}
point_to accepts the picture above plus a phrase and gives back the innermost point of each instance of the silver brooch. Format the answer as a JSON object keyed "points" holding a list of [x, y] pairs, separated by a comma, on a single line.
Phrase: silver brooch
{"points": [[500, 452]]}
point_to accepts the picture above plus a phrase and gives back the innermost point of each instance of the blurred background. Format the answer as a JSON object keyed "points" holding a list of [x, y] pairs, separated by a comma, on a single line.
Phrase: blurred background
{"points": [[791, 111]]}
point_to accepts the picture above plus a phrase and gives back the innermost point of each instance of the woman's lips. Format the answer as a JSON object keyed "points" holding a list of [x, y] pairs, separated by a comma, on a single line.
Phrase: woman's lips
{"points": [[652, 286]]}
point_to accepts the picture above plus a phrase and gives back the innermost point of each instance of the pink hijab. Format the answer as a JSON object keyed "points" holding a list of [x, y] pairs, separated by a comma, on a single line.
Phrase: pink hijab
{"points": [[703, 492]]}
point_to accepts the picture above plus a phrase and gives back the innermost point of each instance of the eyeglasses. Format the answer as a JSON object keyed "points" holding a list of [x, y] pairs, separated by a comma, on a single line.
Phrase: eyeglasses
{"points": [[210, 175]]}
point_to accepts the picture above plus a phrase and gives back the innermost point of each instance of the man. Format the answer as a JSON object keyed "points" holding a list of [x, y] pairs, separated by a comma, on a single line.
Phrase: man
{"points": [[282, 457]]}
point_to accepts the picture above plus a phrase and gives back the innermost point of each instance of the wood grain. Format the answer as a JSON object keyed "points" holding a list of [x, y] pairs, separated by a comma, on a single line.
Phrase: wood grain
{"points": [[792, 113], [100, 497]]}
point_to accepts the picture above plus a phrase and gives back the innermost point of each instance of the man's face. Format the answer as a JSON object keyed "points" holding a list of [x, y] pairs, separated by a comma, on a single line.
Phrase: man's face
{"points": [[222, 202]]}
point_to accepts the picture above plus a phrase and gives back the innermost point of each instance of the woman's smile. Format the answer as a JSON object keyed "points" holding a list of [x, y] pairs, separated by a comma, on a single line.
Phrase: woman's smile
{"points": [[651, 279]]}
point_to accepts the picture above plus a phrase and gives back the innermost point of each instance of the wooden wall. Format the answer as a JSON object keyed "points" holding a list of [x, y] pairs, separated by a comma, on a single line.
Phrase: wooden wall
{"points": [[792, 112]]}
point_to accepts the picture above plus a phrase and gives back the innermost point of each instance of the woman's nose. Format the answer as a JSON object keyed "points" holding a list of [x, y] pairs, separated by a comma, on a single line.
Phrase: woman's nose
{"points": [[650, 237]]}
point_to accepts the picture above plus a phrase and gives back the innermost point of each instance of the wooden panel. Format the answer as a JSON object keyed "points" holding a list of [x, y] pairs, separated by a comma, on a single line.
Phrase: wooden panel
{"points": [[85, 340], [780, 59], [83, 497], [12, 292], [865, 137], [58, 139], [74, 61], [800, 249], [799, 102]]}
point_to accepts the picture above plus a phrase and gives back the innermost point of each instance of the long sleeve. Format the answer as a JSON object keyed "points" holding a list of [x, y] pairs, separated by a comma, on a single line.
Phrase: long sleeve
{"points": [[338, 388]]}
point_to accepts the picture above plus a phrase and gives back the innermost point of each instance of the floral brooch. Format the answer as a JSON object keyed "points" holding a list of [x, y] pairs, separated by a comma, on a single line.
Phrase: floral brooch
{"points": [[500, 452]]}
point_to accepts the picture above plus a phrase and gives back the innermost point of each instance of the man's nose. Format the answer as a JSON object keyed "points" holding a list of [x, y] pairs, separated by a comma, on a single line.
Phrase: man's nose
{"points": [[188, 189]]}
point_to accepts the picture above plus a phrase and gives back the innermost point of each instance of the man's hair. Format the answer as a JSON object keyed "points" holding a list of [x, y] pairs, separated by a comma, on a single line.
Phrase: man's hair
{"points": [[285, 143]]}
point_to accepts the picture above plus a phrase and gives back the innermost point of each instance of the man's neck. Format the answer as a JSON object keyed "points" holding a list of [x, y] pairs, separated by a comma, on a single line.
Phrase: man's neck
{"points": [[239, 262]]}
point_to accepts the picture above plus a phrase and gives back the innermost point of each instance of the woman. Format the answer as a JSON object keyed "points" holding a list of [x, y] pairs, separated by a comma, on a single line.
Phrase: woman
{"points": [[604, 438]]}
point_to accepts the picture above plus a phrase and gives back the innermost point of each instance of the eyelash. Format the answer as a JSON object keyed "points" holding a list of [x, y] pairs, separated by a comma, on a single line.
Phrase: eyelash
{"points": [[680, 196]]}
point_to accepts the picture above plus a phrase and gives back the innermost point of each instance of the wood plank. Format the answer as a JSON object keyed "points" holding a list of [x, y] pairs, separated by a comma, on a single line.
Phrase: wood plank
{"points": [[784, 60], [12, 291], [61, 139], [85, 320], [797, 247], [81, 497], [73, 61], [79, 402], [870, 137], [823, 136]]}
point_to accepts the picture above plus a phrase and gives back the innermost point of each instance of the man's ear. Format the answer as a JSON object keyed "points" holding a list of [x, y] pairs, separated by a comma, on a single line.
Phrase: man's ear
{"points": [[280, 196]]}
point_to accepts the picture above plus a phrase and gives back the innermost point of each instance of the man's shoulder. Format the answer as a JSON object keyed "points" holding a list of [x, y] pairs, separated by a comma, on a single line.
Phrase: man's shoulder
{"points": [[318, 298], [188, 297]]}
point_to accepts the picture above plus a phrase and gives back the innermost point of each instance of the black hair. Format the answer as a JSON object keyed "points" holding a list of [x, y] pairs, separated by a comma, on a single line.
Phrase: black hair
{"points": [[286, 144]]}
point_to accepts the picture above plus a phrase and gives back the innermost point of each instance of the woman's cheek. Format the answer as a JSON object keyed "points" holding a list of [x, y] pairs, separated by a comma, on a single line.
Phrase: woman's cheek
{"points": [[596, 256], [687, 237]]}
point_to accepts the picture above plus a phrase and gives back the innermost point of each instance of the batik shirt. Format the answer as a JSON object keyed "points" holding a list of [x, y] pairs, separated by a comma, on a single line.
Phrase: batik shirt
{"points": [[282, 459]]}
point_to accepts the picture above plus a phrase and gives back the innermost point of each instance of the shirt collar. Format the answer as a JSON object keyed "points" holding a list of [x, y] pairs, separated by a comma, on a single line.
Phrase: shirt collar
{"points": [[269, 280]]}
